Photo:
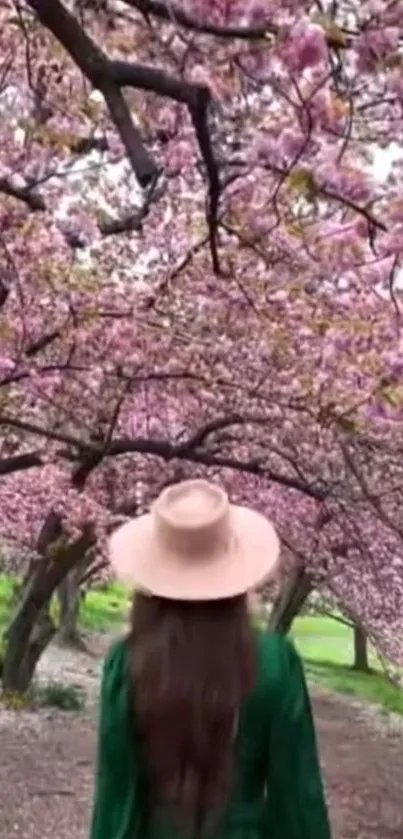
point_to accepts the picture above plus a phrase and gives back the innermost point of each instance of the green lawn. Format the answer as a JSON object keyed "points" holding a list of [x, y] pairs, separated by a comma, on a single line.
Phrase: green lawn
{"points": [[103, 609], [106, 609], [327, 649], [6, 594], [325, 639], [325, 644]]}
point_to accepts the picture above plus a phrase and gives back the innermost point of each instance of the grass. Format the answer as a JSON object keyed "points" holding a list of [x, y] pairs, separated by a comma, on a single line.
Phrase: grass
{"points": [[6, 600], [326, 639], [327, 648], [102, 610], [58, 695], [326, 645], [105, 609], [68, 697], [373, 687]]}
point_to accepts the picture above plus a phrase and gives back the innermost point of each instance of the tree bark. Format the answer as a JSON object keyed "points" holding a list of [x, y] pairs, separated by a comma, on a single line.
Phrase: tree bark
{"points": [[290, 600], [31, 628], [69, 597], [361, 662], [40, 636]]}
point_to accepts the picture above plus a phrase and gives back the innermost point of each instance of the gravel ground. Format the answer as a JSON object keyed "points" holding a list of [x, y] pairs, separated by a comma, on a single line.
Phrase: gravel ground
{"points": [[47, 758]]}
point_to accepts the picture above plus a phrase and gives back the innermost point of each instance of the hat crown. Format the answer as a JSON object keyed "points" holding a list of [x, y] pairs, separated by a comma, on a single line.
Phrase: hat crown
{"points": [[195, 545], [192, 519]]}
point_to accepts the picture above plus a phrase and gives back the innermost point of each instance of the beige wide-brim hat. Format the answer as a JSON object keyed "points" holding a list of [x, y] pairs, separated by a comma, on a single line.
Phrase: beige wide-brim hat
{"points": [[195, 545]]}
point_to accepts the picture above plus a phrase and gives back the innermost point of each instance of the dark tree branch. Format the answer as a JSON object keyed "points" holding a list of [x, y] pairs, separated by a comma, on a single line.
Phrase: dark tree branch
{"points": [[25, 193], [200, 436], [51, 530], [4, 292], [127, 224], [374, 223], [172, 14], [41, 343], [88, 456], [197, 98], [91, 573], [199, 117], [132, 221], [110, 77], [371, 497], [19, 462], [107, 227], [327, 614], [144, 168], [95, 66], [47, 434], [85, 145], [127, 74]]}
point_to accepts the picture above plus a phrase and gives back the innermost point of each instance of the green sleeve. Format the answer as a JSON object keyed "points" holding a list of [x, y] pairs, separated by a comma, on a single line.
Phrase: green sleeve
{"points": [[296, 804], [116, 811]]}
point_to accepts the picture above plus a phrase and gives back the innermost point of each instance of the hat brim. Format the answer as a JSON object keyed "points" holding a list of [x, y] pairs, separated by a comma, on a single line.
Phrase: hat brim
{"points": [[140, 562]]}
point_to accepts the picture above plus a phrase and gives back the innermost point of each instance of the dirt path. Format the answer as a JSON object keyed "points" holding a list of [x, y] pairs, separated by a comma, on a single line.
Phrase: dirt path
{"points": [[46, 764]]}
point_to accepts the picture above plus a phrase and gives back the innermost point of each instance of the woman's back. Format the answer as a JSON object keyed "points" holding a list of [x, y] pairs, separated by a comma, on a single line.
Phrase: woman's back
{"points": [[276, 790], [206, 727]]}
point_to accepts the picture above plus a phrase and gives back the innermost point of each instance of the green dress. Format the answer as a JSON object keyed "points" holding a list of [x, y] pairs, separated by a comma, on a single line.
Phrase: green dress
{"points": [[278, 793]]}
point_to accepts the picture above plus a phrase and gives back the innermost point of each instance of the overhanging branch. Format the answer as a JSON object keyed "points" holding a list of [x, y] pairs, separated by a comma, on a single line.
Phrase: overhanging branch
{"points": [[128, 74], [95, 66], [172, 14], [109, 77], [33, 199], [87, 456], [19, 462]]}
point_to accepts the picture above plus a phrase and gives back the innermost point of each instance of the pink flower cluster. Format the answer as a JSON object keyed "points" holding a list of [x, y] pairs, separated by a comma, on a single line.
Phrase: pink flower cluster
{"points": [[127, 362], [304, 47]]}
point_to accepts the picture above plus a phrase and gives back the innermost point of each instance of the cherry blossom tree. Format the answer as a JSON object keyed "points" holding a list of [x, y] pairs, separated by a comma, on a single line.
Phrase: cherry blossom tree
{"points": [[199, 274]]}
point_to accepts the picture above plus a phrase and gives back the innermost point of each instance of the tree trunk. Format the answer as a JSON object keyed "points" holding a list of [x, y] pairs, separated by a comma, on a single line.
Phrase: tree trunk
{"points": [[31, 628], [24, 650], [290, 600], [361, 662], [28, 634], [69, 597]]}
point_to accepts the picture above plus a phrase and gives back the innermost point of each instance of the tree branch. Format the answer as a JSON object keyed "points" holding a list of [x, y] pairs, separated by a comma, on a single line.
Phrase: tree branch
{"points": [[173, 14], [25, 193], [197, 98], [107, 227], [316, 610], [132, 222], [144, 168], [88, 456], [95, 65], [170, 13], [128, 74], [19, 462], [199, 117], [111, 76], [374, 223]]}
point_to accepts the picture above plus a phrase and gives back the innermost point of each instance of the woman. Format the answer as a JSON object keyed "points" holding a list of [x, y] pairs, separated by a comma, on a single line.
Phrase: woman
{"points": [[206, 727]]}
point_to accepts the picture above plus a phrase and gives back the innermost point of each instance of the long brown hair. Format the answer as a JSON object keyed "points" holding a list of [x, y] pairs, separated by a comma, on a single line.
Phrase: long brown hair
{"points": [[192, 664]]}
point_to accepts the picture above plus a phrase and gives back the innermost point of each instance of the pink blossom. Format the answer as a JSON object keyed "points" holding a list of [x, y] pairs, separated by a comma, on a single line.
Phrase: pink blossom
{"points": [[178, 158], [374, 45], [130, 354], [395, 83], [291, 143], [304, 47]]}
